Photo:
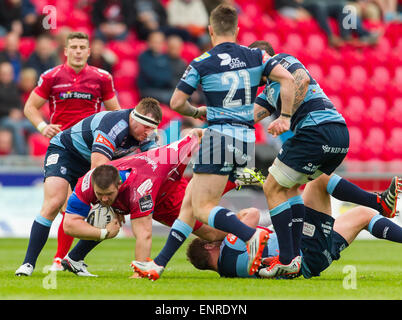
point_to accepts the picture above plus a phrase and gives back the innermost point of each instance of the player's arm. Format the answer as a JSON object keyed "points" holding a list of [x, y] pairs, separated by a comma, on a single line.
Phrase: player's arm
{"points": [[260, 113], [32, 112], [288, 88], [112, 104], [98, 159], [179, 103], [302, 81], [142, 230], [76, 226]]}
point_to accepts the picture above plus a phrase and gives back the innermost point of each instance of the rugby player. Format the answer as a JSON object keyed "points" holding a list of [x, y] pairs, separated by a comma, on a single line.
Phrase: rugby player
{"points": [[230, 75], [74, 91], [88, 144]]}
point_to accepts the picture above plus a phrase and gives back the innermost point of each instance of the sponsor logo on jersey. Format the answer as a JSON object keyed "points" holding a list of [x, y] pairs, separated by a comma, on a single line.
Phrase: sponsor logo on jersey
{"points": [[75, 95], [102, 140], [184, 76], [146, 203], [233, 63], [145, 187], [284, 63], [202, 57], [231, 238]]}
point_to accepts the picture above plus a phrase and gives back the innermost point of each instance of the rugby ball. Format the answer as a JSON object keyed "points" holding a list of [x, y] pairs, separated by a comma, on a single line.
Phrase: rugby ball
{"points": [[100, 216]]}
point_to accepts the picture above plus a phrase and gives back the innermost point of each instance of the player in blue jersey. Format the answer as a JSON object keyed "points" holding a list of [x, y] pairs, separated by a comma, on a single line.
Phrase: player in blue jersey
{"points": [[91, 142], [229, 75], [322, 241], [319, 144]]}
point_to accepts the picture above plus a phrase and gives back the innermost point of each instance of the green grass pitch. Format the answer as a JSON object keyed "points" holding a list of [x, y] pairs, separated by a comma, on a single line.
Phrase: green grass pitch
{"points": [[366, 270]]}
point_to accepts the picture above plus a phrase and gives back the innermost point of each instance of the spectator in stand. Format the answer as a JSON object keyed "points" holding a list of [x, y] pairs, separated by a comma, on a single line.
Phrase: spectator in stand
{"points": [[61, 39], [11, 53], [191, 16], [6, 142], [367, 9], [18, 16], [148, 16], [292, 9], [388, 9], [27, 82], [155, 76], [11, 115], [44, 56], [322, 10], [101, 57], [111, 19]]}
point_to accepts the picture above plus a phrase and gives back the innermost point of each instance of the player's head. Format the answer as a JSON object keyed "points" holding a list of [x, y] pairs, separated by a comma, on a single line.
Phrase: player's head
{"points": [[77, 49], [223, 23], [263, 45], [266, 46], [106, 182], [200, 253], [145, 118]]}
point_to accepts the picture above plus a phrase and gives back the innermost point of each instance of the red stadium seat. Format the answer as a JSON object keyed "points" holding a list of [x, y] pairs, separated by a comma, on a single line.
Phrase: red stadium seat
{"points": [[27, 46], [316, 72], [398, 76], [356, 141], [337, 101], [273, 39], [316, 43], [37, 144], [354, 111], [358, 75], [373, 144], [294, 43], [381, 76]]}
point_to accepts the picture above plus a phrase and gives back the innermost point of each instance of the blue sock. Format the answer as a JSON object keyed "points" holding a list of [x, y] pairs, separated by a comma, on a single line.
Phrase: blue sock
{"points": [[344, 190], [298, 212], [37, 239], [178, 234], [383, 228], [82, 248], [226, 220], [281, 217]]}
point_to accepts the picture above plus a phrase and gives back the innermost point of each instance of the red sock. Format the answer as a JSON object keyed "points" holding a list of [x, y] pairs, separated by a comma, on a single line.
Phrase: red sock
{"points": [[64, 241]]}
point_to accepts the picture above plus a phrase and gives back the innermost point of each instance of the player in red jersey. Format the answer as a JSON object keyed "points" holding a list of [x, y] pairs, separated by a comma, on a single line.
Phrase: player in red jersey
{"points": [[147, 186], [75, 91]]}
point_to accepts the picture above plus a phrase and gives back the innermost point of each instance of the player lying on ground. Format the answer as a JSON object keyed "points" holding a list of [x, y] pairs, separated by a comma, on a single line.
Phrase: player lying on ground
{"points": [[147, 186], [322, 242]]}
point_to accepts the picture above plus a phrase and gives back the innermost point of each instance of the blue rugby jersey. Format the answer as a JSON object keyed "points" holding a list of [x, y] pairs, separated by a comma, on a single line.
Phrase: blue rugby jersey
{"points": [[229, 75], [233, 257], [106, 132], [316, 107]]}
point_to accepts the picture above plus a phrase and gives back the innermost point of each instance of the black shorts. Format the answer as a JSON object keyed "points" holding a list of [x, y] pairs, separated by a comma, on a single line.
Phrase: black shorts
{"points": [[222, 154], [59, 162], [322, 147], [320, 243]]}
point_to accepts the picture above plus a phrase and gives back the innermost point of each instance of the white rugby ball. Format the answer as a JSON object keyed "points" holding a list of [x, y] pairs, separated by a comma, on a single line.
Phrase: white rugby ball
{"points": [[100, 216]]}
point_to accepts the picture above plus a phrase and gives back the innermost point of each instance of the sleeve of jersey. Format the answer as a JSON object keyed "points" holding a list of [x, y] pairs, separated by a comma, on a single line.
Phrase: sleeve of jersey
{"points": [[145, 207], [103, 144], [189, 81], [268, 63], [263, 102], [77, 206], [108, 88], [44, 87]]}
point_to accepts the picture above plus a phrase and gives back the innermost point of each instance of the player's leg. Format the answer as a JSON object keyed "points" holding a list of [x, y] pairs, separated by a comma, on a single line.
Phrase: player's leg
{"points": [[384, 203], [64, 241], [55, 193], [349, 225]]}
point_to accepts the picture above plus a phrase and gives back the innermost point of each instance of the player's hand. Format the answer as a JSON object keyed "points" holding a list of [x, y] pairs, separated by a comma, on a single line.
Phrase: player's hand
{"points": [[279, 126], [51, 130], [113, 228], [121, 219], [202, 113]]}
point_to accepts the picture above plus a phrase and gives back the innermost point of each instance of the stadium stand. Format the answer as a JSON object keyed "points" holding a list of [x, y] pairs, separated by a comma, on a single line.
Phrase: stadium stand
{"points": [[364, 82]]}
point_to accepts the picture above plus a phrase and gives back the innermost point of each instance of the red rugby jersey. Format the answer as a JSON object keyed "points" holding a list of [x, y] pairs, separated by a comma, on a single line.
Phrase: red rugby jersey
{"points": [[150, 173], [74, 96]]}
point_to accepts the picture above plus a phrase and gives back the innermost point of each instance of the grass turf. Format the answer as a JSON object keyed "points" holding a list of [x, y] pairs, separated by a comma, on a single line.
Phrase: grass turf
{"points": [[377, 266]]}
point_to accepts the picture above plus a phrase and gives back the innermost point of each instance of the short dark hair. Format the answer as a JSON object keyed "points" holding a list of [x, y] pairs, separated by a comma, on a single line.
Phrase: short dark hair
{"points": [[198, 255], [263, 45], [152, 106], [105, 175], [224, 20], [76, 35]]}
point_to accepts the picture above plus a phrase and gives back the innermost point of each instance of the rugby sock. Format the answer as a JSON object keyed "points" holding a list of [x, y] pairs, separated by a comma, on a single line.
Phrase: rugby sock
{"points": [[64, 241], [344, 190], [178, 234], [383, 228], [298, 212], [281, 217], [37, 239], [226, 220], [82, 248]]}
